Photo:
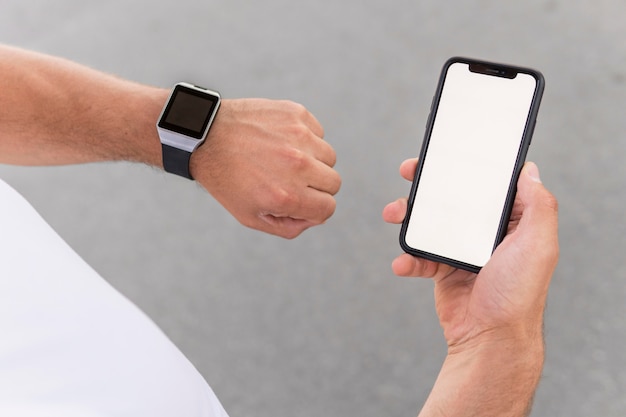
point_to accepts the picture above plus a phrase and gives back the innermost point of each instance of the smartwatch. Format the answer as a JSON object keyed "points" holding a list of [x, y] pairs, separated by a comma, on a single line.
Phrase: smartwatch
{"points": [[184, 124]]}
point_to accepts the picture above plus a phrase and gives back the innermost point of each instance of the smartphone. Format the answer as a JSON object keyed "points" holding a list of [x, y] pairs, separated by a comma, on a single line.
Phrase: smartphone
{"points": [[478, 132]]}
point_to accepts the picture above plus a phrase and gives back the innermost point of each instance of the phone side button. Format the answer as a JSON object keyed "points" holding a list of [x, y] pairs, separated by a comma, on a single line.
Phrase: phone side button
{"points": [[531, 132]]}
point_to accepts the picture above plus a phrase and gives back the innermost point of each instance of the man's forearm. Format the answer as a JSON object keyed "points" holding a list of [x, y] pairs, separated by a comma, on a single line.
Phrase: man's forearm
{"points": [[264, 160], [496, 380], [54, 111]]}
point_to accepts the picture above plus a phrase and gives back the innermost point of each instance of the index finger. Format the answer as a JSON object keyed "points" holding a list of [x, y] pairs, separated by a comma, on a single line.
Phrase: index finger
{"points": [[408, 168], [316, 127]]}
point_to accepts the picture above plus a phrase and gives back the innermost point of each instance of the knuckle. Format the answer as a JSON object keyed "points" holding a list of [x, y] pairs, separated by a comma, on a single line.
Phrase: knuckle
{"points": [[298, 109], [325, 210], [337, 183], [333, 157], [279, 197], [296, 158], [332, 205], [331, 208], [299, 132], [291, 234], [292, 108]]}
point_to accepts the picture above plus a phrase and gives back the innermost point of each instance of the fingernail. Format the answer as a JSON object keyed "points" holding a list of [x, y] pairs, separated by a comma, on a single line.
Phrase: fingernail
{"points": [[533, 171]]}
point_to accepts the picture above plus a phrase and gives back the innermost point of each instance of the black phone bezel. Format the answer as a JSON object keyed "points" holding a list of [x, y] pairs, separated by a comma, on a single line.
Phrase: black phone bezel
{"points": [[493, 69]]}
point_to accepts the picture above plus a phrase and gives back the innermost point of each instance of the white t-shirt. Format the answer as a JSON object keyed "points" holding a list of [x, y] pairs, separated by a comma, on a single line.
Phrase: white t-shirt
{"points": [[71, 345]]}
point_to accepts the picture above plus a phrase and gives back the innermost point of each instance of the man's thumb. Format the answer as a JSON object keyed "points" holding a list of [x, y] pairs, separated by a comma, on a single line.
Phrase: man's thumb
{"points": [[540, 209]]}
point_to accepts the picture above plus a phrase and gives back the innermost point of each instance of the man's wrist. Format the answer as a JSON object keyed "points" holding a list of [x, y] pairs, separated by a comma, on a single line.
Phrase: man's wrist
{"points": [[524, 335], [184, 125], [143, 104], [490, 379]]}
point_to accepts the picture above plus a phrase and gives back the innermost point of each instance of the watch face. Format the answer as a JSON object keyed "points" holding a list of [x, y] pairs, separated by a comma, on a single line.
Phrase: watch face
{"points": [[189, 111]]}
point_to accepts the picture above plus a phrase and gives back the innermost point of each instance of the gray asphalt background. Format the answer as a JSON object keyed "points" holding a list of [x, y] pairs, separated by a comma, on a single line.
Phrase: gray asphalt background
{"points": [[319, 325]]}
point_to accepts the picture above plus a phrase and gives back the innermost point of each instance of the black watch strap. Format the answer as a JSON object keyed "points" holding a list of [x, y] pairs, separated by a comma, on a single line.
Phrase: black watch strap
{"points": [[176, 161]]}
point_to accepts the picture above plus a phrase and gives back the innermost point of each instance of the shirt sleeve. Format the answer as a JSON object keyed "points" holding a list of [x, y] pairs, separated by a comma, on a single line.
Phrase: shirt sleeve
{"points": [[71, 345]]}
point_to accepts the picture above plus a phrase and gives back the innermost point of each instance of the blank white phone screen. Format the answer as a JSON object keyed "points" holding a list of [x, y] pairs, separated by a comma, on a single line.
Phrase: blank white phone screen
{"points": [[469, 164]]}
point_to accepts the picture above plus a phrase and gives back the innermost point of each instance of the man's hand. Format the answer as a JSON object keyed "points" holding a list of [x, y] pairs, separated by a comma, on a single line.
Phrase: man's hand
{"points": [[492, 321], [266, 162]]}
